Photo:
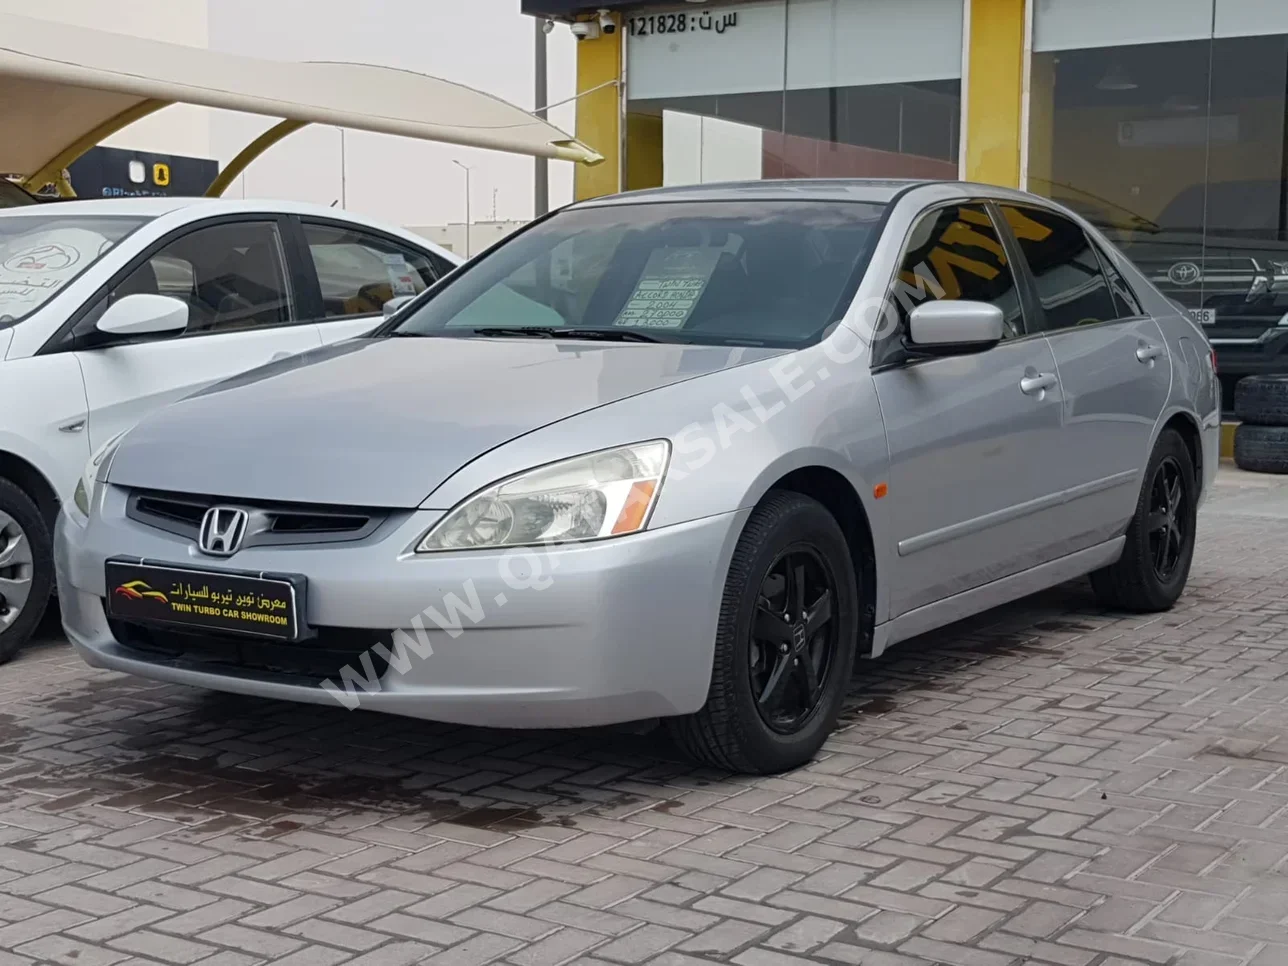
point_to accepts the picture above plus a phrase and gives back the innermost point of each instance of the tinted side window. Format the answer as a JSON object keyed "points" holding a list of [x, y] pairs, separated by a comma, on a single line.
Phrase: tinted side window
{"points": [[1125, 299], [956, 253], [231, 275], [1070, 283], [359, 273]]}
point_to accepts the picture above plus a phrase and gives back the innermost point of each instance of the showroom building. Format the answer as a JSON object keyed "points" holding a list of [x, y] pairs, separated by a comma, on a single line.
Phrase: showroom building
{"points": [[1164, 121]]}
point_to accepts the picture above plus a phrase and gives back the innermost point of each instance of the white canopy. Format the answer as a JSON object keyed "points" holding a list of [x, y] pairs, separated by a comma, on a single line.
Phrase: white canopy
{"points": [[63, 88]]}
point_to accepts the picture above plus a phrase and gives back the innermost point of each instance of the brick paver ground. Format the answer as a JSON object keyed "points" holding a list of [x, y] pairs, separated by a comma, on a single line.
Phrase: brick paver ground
{"points": [[1050, 784]]}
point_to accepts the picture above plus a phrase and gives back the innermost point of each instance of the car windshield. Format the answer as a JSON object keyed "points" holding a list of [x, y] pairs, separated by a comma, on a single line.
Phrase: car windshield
{"points": [[726, 273], [14, 196], [39, 254]]}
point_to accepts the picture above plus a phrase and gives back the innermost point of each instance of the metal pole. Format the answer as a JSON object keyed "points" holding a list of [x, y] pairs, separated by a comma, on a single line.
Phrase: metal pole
{"points": [[541, 167], [466, 168], [344, 173]]}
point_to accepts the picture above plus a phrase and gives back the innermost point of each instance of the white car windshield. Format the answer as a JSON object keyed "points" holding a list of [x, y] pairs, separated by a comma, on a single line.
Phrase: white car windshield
{"points": [[39, 254]]}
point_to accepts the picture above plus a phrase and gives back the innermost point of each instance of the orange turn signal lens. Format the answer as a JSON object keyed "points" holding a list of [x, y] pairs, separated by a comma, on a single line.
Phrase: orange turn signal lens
{"points": [[880, 490], [636, 507]]}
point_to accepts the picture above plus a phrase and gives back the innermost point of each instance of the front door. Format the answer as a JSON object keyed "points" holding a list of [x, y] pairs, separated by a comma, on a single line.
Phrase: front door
{"points": [[971, 438], [1114, 369], [241, 314]]}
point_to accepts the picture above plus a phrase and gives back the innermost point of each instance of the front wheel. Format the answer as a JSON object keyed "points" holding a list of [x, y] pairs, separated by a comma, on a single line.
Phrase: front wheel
{"points": [[26, 568], [1159, 548], [785, 642]]}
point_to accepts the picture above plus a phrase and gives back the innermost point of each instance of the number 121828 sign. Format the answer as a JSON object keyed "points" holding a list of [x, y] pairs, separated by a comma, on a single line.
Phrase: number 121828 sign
{"points": [[669, 288]]}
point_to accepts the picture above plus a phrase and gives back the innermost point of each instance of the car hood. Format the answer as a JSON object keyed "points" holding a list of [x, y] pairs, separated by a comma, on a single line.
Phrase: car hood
{"points": [[384, 422]]}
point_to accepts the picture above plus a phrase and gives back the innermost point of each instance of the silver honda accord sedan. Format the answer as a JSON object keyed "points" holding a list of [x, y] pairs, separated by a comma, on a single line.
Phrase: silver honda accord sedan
{"points": [[682, 454]]}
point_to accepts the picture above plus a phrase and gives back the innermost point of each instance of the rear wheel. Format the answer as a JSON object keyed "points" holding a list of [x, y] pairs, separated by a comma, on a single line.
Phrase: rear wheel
{"points": [[785, 643], [1155, 564], [26, 568]]}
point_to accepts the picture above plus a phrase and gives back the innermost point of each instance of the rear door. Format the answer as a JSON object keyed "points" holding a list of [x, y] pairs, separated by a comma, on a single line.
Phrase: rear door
{"points": [[1113, 363], [358, 270], [242, 299], [972, 438]]}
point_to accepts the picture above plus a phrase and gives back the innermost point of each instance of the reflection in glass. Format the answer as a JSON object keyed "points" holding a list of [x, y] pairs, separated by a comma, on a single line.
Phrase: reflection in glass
{"points": [[1179, 150], [799, 89]]}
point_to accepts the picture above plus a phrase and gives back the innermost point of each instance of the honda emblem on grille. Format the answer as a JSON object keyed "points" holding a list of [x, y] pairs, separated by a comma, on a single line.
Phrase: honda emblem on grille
{"points": [[223, 529], [1184, 273]]}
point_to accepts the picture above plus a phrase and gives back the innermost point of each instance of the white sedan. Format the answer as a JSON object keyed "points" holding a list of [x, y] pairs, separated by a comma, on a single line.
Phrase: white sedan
{"points": [[110, 309]]}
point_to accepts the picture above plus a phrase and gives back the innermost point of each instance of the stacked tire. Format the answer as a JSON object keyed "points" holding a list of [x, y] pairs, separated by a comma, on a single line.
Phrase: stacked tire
{"points": [[1261, 438]]}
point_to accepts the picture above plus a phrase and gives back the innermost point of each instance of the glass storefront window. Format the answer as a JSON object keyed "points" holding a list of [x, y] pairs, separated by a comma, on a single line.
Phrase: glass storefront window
{"points": [[1165, 122], [794, 89]]}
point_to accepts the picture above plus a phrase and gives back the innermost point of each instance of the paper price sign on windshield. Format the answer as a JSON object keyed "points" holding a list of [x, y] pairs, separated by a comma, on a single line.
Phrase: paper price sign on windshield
{"points": [[669, 288]]}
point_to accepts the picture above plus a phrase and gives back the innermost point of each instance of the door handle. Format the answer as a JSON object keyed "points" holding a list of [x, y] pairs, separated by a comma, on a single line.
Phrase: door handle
{"points": [[1147, 352], [1037, 385], [279, 356]]}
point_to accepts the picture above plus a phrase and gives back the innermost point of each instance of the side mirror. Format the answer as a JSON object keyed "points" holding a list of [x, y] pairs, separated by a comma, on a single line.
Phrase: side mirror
{"points": [[947, 328], [144, 314], [395, 303]]}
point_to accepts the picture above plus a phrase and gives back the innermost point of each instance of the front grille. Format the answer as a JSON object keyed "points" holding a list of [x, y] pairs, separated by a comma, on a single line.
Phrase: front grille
{"points": [[187, 512], [306, 663], [272, 524]]}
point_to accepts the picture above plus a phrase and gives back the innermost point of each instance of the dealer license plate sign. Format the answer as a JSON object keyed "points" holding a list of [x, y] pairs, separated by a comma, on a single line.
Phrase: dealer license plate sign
{"points": [[205, 600]]}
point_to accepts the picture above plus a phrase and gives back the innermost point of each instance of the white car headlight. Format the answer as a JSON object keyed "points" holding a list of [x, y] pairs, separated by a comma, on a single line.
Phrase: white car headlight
{"points": [[85, 488], [606, 494]]}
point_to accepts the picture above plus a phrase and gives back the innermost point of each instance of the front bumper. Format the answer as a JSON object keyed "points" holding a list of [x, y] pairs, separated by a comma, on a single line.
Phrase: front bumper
{"points": [[581, 635]]}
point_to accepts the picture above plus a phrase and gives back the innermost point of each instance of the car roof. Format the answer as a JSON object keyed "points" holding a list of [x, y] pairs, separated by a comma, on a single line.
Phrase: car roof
{"points": [[872, 190], [152, 207], [200, 207], [147, 207], [879, 190]]}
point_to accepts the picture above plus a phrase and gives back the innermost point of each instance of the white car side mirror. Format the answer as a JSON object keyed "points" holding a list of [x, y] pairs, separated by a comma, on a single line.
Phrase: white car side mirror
{"points": [[144, 314], [394, 304]]}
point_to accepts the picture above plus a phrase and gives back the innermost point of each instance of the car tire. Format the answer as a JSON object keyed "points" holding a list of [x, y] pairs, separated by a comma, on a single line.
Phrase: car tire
{"points": [[790, 542], [1261, 449], [26, 568], [1155, 563], [1262, 400]]}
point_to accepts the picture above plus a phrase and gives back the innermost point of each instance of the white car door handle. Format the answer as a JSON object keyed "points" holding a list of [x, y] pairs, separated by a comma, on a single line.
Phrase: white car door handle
{"points": [[279, 356], [1148, 353], [1037, 385]]}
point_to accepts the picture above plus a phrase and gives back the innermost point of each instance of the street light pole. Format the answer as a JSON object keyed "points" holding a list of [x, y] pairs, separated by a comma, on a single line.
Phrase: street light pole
{"points": [[541, 172], [467, 169]]}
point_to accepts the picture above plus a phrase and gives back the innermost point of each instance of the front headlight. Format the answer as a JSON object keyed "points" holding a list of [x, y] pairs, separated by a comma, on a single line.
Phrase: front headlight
{"points": [[606, 494], [85, 488]]}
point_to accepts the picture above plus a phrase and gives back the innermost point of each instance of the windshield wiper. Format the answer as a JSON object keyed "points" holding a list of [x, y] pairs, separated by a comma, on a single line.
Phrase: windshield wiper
{"points": [[514, 331], [546, 332], [608, 335]]}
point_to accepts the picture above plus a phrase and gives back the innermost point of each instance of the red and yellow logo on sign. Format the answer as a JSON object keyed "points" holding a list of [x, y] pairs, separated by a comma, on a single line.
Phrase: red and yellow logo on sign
{"points": [[138, 590]]}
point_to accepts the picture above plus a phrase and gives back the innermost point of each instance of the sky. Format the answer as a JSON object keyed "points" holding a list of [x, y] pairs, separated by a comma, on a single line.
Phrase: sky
{"points": [[485, 44]]}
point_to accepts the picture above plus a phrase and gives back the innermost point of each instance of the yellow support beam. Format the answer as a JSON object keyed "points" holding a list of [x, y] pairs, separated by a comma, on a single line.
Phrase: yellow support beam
{"points": [[995, 91], [249, 153], [51, 172], [599, 113]]}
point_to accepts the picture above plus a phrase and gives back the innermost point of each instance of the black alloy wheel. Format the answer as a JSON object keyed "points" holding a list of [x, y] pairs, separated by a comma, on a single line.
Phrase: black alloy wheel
{"points": [[1158, 547], [786, 641], [793, 639], [1167, 523]]}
